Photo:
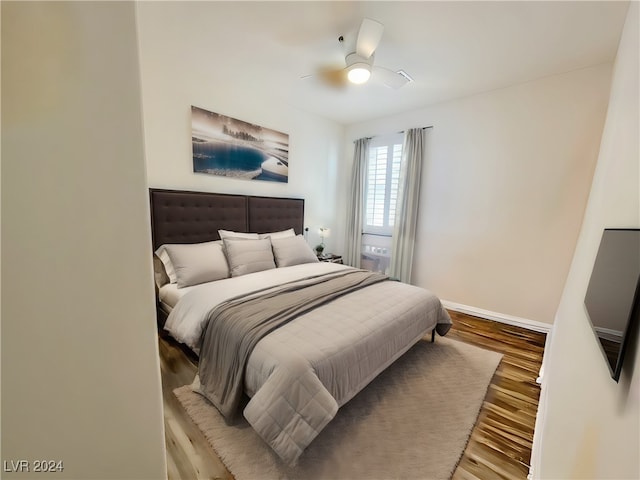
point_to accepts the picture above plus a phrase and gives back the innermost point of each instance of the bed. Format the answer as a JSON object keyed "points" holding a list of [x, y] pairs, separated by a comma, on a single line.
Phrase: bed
{"points": [[282, 338]]}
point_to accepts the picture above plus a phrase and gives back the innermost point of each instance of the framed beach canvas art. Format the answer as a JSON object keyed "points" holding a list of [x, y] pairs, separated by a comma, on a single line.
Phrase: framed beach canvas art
{"points": [[233, 148]]}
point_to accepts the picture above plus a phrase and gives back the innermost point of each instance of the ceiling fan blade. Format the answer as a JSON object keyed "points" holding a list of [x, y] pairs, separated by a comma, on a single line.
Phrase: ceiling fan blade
{"points": [[368, 37], [390, 78], [332, 77]]}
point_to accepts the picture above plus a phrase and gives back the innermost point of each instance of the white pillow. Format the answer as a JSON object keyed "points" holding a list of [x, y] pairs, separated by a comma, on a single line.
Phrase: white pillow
{"points": [[292, 251], [159, 272], [283, 234], [198, 262], [162, 254], [248, 256], [229, 234]]}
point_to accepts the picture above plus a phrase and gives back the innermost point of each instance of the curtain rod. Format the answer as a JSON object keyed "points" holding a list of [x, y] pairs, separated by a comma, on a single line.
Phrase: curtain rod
{"points": [[401, 131], [423, 128]]}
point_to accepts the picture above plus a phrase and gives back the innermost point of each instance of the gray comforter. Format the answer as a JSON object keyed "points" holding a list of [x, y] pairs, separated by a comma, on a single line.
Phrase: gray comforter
{"points": [[300, 374], [236, 326]]}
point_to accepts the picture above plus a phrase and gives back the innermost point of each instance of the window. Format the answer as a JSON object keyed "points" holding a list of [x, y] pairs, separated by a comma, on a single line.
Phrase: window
{"points": [[381, 195]]}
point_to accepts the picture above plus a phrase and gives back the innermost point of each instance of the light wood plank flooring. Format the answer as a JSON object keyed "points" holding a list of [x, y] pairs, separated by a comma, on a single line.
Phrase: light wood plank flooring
{"points": [[500, 444]]}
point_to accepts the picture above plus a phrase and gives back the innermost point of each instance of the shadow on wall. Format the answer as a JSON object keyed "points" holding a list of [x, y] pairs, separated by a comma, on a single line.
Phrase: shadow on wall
{"points": [[630, 383]]}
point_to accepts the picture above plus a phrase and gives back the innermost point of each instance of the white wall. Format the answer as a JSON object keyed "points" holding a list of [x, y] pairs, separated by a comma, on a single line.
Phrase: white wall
{"points": [[591, 424], [80, 369], [504, 188], [184, 62]]}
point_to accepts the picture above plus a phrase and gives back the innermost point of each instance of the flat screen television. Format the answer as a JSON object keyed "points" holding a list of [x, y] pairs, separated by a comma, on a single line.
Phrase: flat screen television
{"points": [[613, 296]]}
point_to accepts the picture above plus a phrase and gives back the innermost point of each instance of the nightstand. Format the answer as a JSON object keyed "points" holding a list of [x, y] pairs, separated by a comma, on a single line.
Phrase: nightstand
{"points": [[330, 257]]}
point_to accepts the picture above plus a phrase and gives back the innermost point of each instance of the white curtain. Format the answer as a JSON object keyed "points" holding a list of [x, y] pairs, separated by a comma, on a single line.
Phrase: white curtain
{"points": [[406, 220], [355, 212]]}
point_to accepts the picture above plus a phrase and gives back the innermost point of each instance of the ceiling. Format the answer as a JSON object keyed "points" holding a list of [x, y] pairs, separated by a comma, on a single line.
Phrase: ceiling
{"points": [[451, 49]]}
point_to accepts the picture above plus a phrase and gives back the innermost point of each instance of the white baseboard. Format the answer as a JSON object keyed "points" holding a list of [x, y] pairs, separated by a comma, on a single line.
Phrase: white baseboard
{"points": [[499, 317]]}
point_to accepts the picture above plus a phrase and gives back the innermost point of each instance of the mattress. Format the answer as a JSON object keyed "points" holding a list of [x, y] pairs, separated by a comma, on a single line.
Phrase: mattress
{"points": [[169, 294]]}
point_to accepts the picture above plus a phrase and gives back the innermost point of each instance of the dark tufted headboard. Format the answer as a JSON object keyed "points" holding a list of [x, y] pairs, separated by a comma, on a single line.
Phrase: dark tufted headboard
{"points": [[194, 217]]}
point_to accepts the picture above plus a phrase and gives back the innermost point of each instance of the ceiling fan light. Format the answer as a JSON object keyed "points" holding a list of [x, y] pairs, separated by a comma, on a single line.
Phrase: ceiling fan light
{"points": [[359, 73]]}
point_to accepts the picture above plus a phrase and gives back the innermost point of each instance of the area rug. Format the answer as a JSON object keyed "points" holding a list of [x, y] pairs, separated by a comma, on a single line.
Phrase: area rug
{"points": [[413, 421]]}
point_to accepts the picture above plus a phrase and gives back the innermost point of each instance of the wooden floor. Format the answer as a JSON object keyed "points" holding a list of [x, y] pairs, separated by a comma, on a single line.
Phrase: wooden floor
{"points": [[500, 444]]}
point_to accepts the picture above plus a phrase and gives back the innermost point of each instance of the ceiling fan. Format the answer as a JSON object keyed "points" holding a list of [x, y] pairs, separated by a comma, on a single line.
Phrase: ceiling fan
{"points": [[359, 63]]}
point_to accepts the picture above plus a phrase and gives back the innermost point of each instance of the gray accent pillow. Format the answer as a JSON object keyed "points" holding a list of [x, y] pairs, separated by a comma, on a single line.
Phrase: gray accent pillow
{"points": [[248, 256], [198, 262], [292, 251]]}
